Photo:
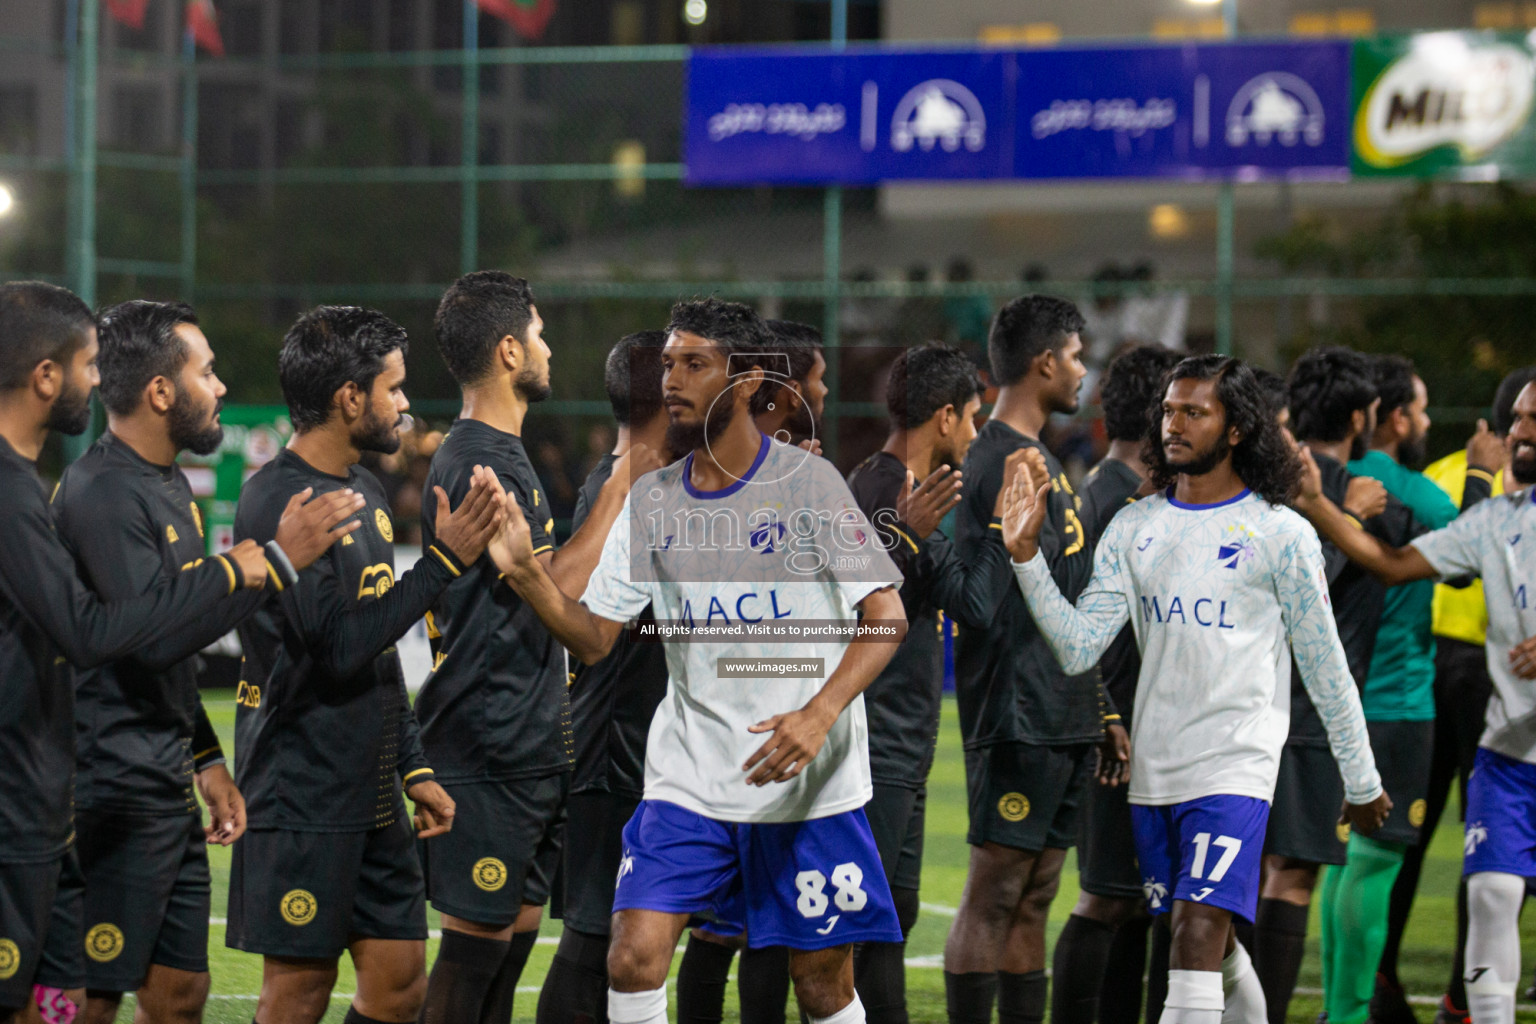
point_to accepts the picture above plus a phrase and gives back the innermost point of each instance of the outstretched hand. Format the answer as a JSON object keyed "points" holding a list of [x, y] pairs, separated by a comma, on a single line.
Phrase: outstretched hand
{"points": [[308, 528], [469, 528], [512, 547], [1025, 506], [923, 507]]}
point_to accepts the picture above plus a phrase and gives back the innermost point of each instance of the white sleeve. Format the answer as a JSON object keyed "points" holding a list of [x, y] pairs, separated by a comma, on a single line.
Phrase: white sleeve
{"points": [[1302, 589], [1078, 635], [615, 591], [1456, 549]]}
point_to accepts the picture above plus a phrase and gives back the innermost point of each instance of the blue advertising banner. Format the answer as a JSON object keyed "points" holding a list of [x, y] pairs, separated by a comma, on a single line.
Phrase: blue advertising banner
{"points": [[1209, 111]]}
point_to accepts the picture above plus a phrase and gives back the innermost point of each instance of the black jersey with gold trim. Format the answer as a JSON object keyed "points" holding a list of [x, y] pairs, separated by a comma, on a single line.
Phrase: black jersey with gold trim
{"points": [[324, 734], [902, 705], [141, 730], [48, 621], [1008, 684], [495, 705], [613, 701]]}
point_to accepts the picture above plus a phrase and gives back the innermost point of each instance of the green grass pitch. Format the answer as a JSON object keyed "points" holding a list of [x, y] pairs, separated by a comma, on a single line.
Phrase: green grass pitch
{"points": [[1426, 956]]}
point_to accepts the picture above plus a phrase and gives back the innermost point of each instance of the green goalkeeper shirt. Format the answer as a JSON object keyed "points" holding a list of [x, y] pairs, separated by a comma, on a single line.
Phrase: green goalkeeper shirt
{"points": [[1400, 686]]}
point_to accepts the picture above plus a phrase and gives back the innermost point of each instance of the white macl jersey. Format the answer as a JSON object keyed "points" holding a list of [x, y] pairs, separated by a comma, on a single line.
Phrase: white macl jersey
{"points": [[1220, 596], [786, 546], [1495, 539]]}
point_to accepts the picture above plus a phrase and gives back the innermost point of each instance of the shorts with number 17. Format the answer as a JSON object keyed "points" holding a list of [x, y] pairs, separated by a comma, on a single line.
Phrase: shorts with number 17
{"points": [[803, 884], [1204, 851]]}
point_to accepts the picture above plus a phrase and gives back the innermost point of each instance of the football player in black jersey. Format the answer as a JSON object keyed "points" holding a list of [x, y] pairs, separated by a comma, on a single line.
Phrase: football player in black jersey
{"points": [[126, 512], [324, 734], [933, 396], [494, 712], [49, 621], [1029, 729]]}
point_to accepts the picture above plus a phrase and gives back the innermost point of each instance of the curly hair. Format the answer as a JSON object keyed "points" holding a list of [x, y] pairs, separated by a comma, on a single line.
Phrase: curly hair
{"points": [[1128, 391], [1263, 459], [1327, 386]]}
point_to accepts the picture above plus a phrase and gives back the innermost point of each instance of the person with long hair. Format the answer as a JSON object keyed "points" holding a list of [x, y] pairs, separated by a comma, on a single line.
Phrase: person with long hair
{"points": [[1222, 584]]}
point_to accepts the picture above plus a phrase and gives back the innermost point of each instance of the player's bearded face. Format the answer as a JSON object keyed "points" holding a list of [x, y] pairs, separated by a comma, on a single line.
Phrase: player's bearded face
{"points": [[686, 432], [1522, 460], [378, 431], [532, 383], [1184, 457], [71, 412], [195, 426]]}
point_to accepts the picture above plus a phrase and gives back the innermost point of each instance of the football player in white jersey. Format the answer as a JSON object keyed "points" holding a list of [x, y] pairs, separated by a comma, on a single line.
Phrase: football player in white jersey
{"points": [[1215, 575], [1493, 540], [755, 779]]}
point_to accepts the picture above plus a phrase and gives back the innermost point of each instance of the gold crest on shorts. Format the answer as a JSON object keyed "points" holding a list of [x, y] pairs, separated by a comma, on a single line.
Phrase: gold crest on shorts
{"points": [[104, 942], [10, 959], [298, 907], [489, 874], [1013, 807], [381, 520], [1342, 831], [1416, 812]]}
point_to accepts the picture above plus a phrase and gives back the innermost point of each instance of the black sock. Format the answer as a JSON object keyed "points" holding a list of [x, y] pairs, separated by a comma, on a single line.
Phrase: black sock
{"points": [[701, 979], [576, 988], [762, 981], [353, 1017], [1456, 992], [1404, 889], [969, 997], [465, 969], [1279, 943], [1021, 997], [1157, 966], [880, 979], [1244, 931], [498, 1001], [1119, 994], [1077, 967]]}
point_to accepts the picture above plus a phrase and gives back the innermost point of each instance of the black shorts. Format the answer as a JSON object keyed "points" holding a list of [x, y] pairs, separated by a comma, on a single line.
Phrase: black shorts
{"points": [[146, 896], [63, 962], [1309, 796], [896, 816], [26, 907], [1026, 796], [309, 894], [1106, 848], [594, 844], [1403, 753], [503, 850]]}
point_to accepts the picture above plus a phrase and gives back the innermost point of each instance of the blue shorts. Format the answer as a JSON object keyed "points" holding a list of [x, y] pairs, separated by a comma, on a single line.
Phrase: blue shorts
{"points": [[803, 884], [1501, 816], [1202, 851]]}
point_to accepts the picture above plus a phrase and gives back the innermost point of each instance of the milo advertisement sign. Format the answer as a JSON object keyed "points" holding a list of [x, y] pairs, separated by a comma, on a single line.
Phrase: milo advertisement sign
{"points": [[1443, 104]]}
